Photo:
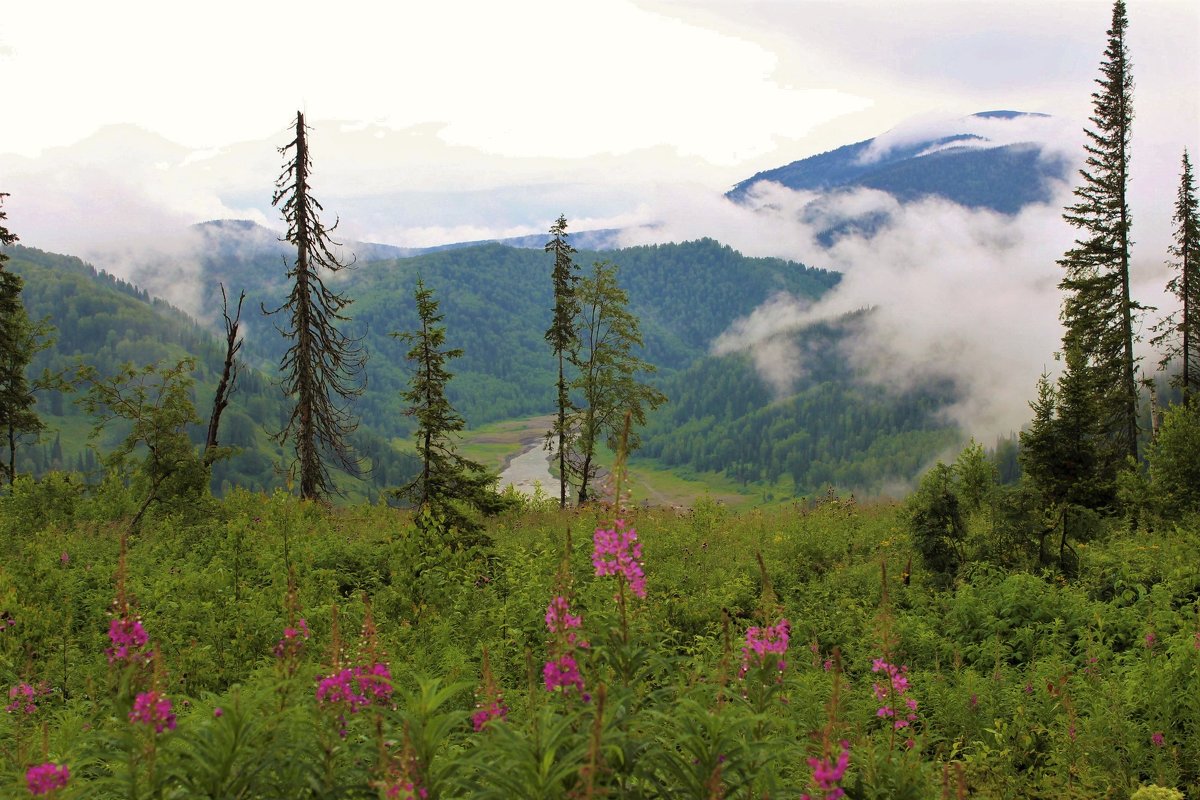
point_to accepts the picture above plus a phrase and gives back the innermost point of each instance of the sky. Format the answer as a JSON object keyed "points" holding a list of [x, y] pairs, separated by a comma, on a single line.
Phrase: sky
{"points": [[455, 121], [429, 106]]}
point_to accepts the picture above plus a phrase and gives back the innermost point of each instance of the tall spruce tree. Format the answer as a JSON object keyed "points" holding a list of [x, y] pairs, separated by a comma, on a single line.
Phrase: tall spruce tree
{"points": [[562, 337], [1179, 332], [1098, 312], [448, 484], [323, 367], [20, 339]]}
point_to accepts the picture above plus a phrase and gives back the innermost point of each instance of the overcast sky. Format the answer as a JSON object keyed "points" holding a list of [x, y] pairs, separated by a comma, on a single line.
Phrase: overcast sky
{"points": [[481, 118]]}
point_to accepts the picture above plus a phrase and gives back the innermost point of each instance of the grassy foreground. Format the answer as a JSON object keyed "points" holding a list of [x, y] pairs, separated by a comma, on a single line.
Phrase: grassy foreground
{"points": [[198, 669]]}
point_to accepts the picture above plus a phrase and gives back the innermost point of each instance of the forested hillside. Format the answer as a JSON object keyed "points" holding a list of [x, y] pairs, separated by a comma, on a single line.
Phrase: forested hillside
{"points": [[497, 300], [720, 418], [105, 323], [832, 430]]}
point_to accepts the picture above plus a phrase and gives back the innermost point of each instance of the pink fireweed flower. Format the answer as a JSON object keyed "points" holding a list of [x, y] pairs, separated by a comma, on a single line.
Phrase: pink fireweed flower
{"points": [[152, 708], [764, 645], [23, 695], [895, 689], [405, 789], [560, 620], [46, 778], [1150, 640], [827, 774], [356, 688], [292, 643], [1157, 739], [559, 617], [128, 637], [486, 713], [562, 673], [618, 552]]}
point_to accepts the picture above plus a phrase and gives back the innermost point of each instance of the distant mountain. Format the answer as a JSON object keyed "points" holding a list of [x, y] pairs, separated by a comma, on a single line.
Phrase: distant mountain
{"points": [[985, 163]]}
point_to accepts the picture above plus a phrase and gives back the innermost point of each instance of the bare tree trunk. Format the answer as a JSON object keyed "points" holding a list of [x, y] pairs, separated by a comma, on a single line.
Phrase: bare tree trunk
{"points": [[229, 373]]}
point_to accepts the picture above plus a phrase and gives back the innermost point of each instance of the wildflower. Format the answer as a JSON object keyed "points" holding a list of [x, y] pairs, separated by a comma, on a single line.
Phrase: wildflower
{"points": [[218, 712], [65, 558], [127, 637], [491, 706], [293, 640], [559, 617], [562, 673], [896, 688], [45, 778], [1150, 640], [827, 774], [618, 552], [486, 713], [23, 695], [762, 643], [355, 688], [1157, 739], [152, 708], [405, 789]]}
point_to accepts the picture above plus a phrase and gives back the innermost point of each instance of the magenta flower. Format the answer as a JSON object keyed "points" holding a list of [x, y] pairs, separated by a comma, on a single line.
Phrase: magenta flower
{"points": [[405, 789], [562, 673], [1150, 640], [128, 637], [355, 688], [559, 617], [292, 643], [1157, 739], [154, 709], [23, 695], [895, 689], [45, 778], [486, 713], [827, 774], [618, 552], [764, 645]]}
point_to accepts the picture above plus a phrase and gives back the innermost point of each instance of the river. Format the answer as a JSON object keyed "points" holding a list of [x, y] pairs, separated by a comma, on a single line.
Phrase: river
{"points": [[530, 466]]}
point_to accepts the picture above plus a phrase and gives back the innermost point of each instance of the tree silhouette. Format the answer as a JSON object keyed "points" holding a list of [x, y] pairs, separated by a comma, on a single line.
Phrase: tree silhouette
{"points": [[562, 337], [1098, 313], [448, 483], [1179, 333], [322, 368]]}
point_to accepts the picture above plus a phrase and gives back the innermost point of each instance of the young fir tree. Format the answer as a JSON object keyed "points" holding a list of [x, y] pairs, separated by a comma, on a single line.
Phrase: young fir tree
{"points": [[1062, 449], [562, 337], [20, 340], [322, 368], [1098, 313], [1179, 334], [448, 484], [608, 382]]}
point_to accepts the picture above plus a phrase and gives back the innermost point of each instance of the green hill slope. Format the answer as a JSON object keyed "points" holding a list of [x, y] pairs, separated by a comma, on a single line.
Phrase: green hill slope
{"points": [[105, 322]]}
